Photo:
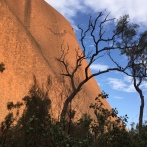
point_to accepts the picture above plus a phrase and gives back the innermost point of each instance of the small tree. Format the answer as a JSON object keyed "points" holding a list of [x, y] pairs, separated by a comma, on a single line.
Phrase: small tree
{"points": [[137, 56], [104, 45]]}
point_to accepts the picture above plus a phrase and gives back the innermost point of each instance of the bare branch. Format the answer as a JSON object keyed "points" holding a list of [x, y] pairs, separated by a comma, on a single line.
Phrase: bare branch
{"points": [[125, 46]]}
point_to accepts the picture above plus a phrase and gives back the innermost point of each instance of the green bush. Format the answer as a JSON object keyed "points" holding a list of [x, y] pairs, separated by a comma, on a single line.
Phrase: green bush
{"points": [[36, 128]]}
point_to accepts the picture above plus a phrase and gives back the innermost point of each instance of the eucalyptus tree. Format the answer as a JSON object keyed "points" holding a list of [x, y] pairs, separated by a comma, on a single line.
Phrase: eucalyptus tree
{"points": [[135, 43]]}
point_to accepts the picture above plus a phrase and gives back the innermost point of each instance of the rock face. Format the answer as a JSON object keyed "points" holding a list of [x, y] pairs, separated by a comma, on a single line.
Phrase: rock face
{"points": [[31, 34]]}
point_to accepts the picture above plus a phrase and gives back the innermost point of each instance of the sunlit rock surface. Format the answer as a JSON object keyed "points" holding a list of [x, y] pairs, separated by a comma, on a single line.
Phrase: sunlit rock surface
{"points": [[31, 34]]}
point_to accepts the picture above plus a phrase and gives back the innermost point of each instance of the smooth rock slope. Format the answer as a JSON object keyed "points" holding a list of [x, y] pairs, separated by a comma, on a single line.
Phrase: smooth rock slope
{"points": [[31, 34]]}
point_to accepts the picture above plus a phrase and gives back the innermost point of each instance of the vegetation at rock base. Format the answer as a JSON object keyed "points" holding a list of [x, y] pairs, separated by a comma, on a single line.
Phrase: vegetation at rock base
{"points": [[36, 128]]}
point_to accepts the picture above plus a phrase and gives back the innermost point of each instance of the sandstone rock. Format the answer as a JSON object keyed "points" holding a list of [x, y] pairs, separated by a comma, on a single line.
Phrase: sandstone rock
{"points": [[31, 34]]}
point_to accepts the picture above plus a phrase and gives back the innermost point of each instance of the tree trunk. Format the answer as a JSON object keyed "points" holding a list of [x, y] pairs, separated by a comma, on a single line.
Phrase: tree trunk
{"points": [[70, 98], [65, 107], [141, 112], [67, 101], [142, 102], [70, 119]]}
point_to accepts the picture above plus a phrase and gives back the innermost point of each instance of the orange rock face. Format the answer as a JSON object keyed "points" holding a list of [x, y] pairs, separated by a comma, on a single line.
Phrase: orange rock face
{"points": [[31, 34]]}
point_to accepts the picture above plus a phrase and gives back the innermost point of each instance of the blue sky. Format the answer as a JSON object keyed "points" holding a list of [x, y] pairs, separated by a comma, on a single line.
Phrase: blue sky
{"points": [[122, 94]]}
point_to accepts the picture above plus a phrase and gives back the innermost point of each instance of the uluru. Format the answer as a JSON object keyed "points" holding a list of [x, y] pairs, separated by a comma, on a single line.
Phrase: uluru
{"points": [[32, 36]]}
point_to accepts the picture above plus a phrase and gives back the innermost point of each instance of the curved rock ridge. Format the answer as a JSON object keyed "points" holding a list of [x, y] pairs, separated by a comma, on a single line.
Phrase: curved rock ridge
{"points": [[31, 35]]}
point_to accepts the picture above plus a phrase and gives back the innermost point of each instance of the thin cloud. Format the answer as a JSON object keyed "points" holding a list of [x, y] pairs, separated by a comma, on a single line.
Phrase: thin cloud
{"points": [[118, 97], [99, 67], [125, 84], [128, 79], [70, 8], [116, 83], [67, 8], [121, 85]]}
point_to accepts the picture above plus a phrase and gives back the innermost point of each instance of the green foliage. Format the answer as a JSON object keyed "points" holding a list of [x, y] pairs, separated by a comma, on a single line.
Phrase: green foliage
{"points": [[108, 129], [138, 139], [135, 46], [135, 49], [8, 123], [35, 127]]}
